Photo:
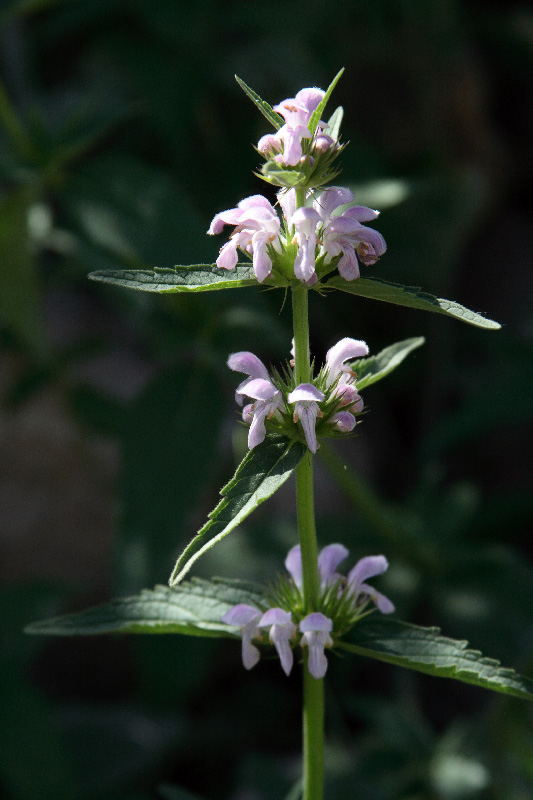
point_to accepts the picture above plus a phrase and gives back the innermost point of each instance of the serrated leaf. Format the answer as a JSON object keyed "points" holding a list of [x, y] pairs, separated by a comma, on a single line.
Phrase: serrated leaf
{"points": [[425, 650], [334, 123], [196, 278], [261, 473], [265, 108], [317, 113], [194, 608], [372, 369], [410, 296]]}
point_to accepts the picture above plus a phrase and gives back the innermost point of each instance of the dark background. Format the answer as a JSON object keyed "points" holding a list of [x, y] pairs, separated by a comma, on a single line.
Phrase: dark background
{"points": [[122, 132]]}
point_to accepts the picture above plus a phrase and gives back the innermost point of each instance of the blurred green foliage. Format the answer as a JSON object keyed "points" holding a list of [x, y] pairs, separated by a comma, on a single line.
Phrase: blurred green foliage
{"points": [[122, 131]]}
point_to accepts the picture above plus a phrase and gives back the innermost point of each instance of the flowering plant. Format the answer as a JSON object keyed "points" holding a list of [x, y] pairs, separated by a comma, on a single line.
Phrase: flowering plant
{"points": [[292, 411]]}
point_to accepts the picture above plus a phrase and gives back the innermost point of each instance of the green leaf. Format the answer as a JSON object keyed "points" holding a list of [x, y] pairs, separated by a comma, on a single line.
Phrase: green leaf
{"points": [[278, 175], [194, 608], [334, 123], [275, 119], [196, 278], [425, 650], [261, 473], [411, 296], [317, 113], [372, 369]]}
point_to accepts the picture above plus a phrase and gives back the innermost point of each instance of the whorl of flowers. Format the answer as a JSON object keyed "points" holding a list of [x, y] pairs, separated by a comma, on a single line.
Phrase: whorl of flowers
{"points": [[343, 601], [307, 240], [327, 407]]}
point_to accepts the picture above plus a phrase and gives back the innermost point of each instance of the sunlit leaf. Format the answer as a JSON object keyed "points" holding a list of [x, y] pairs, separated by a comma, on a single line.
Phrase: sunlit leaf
{"points": [[275, 119], [374, 368], [334, 123], [196, 278], [410, 296], [317, 113]]}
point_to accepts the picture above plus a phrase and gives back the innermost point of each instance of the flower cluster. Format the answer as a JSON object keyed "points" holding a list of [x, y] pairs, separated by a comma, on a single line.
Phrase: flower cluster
{"points": [[285, 146], [309, 241], [334, 400], [344, 599]]}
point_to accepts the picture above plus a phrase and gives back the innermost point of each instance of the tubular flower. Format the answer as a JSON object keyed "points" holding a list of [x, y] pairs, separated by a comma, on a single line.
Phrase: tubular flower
{"points": [[345, 234], [257, 227], [369, 567], [329, 559], [282, 629], [296, 111], [306, 398], [246, 618], [250, 620], [343, 380], [354, 585], [304, 221], [249, 364], [258, 386], [268, 401], [316, 629]]}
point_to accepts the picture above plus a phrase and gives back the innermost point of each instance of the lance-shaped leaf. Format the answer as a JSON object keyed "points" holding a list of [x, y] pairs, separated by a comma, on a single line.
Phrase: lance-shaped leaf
{"points": [[194, 608], [410, 296], [374, 368], [425, 650], [261, 473], [275, 119], [196, 278], [319, 110]]}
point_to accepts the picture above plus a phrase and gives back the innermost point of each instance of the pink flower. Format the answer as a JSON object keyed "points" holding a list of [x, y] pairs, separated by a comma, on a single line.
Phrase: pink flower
{"points": [[282, 629], [304, 221], [328, 560], [250, 620], [369, 567], [246, 618], [345, 234], [260, 388], [296, 111], [316, 628], [257, 227], [306, 398], [345, 389]]}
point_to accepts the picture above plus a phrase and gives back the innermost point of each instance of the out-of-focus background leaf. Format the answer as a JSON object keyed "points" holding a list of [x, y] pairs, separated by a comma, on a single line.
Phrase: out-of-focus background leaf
{"points": [[122, 132]]}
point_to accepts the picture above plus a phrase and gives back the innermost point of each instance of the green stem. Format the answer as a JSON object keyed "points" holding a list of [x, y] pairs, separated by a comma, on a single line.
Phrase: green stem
{"points": [[313, 736], [300, 320], [313, 710], [307, 532]]}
